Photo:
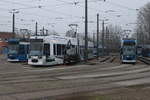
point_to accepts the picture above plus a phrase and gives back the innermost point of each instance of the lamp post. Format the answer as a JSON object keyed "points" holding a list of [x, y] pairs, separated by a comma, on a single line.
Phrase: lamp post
{"points": [[14, 11], [86, 31], [36, 29], [103, 35], [97, 36], [103, 30]]}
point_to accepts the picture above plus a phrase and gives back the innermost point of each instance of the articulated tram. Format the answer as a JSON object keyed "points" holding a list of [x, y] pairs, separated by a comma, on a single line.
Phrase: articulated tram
{"points": [[50, 50], [128, 51], [17, 50]]}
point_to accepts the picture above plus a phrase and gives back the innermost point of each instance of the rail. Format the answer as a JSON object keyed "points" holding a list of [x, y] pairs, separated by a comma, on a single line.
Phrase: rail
{"points": [[144, 60]]}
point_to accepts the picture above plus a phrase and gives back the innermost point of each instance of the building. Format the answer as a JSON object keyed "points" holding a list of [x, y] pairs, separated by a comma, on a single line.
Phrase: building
{"points": [[4, 36], [3, 47]]}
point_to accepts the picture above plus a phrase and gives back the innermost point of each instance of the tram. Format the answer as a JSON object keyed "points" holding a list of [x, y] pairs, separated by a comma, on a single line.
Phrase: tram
{"points": [[50, 50], [139, 50], [128, 51], [146, 51], [17, 50]]}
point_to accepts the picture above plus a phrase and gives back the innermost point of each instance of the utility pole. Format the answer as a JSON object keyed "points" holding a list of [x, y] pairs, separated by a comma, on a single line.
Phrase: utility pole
{"points": [[103, 30], [14, 11], [36, 28], [107, 39], [97, 36], [47, 32], [43, 31], [94, 40], [13, 26], [86, 32], [103, 34]]}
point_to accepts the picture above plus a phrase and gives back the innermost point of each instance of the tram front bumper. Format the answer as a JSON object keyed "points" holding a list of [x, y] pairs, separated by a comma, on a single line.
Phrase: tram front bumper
{"points": [[129, 61], [35, 62]]}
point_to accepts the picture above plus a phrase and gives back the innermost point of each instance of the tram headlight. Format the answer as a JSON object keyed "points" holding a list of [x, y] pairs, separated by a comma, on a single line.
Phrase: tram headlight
{"points": [[40, 57], [10, 55]]}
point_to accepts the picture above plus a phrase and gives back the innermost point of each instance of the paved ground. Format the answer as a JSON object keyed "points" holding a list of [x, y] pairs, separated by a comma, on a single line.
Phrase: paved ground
{"points": [[23, 82]]}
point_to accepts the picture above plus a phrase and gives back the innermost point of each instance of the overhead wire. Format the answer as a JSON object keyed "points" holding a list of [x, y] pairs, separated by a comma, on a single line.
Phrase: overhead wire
{"points": [[12, 2], [45, 8], [70, 3], [77, 3], [49, 9], [29, 7], [90, 8], [120, 6]]}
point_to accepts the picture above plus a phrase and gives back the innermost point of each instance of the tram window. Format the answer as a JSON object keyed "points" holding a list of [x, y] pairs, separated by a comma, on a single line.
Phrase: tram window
{"points": [[46, 49], [28, 49], [129, 43], [54, 46], [58, 49], [63, 49], [21, 49]]}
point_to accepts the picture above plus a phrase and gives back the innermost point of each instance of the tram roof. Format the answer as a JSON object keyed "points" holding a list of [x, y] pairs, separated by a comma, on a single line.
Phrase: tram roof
{"points": [[61, 40], [56, 39], [129, 40]]}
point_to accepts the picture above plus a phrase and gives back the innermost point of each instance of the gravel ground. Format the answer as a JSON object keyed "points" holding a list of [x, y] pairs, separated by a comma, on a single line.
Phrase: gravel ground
{"points": [[129, 93], [92, 81]]}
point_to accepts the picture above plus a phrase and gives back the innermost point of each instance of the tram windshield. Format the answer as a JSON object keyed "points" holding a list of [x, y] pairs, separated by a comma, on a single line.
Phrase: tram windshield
{"points": [[13, 48], [129, 50], [36, 49]]}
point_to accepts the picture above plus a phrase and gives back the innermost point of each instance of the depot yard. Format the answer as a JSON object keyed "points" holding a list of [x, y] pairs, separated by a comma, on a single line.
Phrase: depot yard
{"points": [[103, 79]]}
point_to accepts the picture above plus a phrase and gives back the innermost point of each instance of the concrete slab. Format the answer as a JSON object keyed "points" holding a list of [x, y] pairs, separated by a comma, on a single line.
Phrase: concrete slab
{"points": [[61, 92], [104, 75], [7, 98], [134, 82]]}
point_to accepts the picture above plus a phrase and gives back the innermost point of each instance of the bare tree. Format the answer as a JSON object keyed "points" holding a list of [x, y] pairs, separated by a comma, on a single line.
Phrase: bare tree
{"points": [[113, 38], [143, 25]]}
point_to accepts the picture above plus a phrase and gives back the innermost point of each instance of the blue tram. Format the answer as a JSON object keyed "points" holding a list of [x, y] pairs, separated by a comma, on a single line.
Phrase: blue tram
{"points": [[128, 51], [139, 50], [17, 50], [146, 51]]}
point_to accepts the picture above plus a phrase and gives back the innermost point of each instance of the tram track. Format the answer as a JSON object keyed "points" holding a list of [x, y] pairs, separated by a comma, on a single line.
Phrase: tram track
{"points": [[113, 59], [53, 77], [36, 84], [57, 74], [105, 59], [67, 86], [52, 71], [36, 77], [70, 85], [81, 85], [33, 80], [94, 91], [144, 60]]}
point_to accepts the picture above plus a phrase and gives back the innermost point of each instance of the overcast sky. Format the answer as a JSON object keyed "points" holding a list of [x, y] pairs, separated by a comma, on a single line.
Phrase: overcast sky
{"points": [[58, 14]]}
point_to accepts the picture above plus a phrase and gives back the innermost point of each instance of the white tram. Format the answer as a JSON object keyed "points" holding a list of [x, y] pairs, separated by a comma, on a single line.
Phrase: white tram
{"points": [[48, 50]]}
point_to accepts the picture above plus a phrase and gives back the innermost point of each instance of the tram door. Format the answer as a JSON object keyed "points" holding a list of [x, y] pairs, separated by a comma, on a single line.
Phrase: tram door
{"points": [[46, 52]]}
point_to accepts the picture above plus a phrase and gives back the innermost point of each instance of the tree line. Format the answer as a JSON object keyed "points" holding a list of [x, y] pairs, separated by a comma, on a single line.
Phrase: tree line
{"points": [[143, 25]]}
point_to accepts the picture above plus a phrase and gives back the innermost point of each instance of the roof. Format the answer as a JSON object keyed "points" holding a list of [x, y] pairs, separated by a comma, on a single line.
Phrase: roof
{"points": [[5, 35], [56, 39]]}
